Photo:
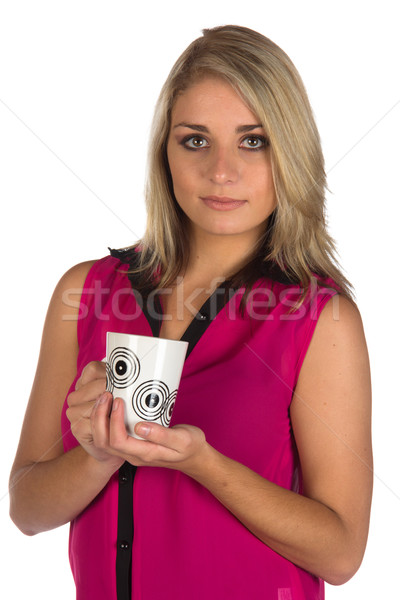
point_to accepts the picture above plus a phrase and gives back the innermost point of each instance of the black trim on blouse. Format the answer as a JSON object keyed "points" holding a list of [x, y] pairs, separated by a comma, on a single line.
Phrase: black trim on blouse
{"points": [[269, 269], [207, 313], [126, 476], [123, 564]]}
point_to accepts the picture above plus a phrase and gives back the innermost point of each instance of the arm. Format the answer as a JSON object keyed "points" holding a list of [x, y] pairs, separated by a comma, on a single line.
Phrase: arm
{"points": [[47, 487], [325, 530]]}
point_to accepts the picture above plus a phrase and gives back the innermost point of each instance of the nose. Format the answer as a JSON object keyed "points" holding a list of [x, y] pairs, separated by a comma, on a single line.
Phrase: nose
{"points": [[223, 166]]}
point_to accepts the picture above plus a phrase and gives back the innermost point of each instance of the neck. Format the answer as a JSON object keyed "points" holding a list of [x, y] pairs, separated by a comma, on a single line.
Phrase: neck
{"points": [[218, 256]]}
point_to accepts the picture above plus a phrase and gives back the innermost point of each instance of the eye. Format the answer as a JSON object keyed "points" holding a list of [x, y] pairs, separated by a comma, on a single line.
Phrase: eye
{"points": [[194, 142], [254, 142]]}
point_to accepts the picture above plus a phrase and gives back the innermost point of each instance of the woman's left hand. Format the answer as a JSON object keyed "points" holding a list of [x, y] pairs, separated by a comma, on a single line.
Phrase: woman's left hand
{"points": [[182, 447]]}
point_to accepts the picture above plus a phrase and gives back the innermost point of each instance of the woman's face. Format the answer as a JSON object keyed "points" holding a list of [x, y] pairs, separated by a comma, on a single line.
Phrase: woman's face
{"points": [[220, 162]]}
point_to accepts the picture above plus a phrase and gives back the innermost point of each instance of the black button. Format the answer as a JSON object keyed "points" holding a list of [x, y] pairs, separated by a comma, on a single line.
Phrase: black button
{"points": [[202, 317], [123, 545], [123, 478]]}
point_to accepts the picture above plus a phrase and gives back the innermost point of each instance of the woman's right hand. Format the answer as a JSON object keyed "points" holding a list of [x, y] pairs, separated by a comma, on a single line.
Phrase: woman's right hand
{"points": [[90, 390]]}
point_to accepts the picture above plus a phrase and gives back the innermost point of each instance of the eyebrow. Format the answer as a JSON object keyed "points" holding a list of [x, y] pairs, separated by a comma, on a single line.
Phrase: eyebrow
{"points": [[203, 129]]}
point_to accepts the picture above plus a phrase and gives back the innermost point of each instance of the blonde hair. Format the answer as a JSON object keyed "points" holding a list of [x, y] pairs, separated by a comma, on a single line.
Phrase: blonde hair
{"points": [[296, 238]]}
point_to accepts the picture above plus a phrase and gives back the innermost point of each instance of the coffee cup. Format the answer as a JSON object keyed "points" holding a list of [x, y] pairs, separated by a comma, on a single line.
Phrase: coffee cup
{"points": [[145, 372]]}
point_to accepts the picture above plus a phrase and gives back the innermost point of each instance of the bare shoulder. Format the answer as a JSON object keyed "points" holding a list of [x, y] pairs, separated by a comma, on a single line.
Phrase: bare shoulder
{"points": [[60, 328], [75, 276], [78, 273], [337, 355], [64, 303], [338, 347], [339, 317]]}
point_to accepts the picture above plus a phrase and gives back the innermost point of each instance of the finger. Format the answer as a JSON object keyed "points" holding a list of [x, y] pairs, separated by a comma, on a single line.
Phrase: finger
{"points": [[118, 433], [80, 412], [79, 417], [138, 452], [100, 420], [87, 393], [162, 444], [179, 443], [92, 371], [153, 432], [176, 438]]}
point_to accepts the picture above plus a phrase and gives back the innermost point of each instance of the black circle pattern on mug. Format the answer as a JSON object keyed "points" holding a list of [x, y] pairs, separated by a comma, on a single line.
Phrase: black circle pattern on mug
{"points": [[149, 399], [124, 367], [169, 407]]}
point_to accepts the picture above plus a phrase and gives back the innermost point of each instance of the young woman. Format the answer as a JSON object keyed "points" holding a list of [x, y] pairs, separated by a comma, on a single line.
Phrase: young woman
{"points": [[261, 487]]}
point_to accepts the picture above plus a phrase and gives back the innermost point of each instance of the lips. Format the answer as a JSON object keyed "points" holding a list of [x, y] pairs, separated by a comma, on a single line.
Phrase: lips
{"points": [[222, 202]]}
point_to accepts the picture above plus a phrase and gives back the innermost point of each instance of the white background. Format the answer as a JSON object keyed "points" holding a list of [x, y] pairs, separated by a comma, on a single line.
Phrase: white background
{"points": [[78, 83]]}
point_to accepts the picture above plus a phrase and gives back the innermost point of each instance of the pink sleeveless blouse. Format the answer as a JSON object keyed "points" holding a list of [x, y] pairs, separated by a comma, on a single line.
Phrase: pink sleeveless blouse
{"points": [[237, 386]]}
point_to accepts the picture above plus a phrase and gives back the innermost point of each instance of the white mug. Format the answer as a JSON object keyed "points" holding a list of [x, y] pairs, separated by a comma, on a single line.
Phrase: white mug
{"points": [[145, 372]]}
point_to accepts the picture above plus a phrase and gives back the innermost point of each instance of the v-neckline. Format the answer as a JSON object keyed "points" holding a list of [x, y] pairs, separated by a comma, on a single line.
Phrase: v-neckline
{"points": [[209, 309], [201, 320]]}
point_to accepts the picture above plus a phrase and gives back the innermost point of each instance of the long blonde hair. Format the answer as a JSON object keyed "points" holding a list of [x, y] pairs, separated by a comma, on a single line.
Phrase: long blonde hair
{"points": [[296, 237]]}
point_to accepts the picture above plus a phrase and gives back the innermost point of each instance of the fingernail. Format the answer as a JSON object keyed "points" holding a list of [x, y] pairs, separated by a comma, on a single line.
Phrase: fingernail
{"points": [[115, 403], [143, 430], [103, 398]]}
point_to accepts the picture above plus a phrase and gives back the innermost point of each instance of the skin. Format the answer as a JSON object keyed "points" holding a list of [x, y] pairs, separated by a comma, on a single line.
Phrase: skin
{"points": [[325, 530], [229, 158]]}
